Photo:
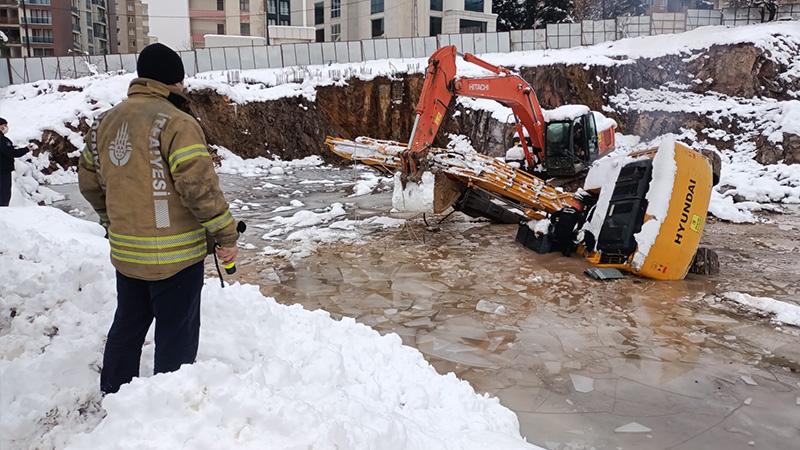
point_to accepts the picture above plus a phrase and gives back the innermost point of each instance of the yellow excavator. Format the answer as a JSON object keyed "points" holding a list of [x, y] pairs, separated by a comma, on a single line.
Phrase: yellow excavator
{"points": [[642, 213]]}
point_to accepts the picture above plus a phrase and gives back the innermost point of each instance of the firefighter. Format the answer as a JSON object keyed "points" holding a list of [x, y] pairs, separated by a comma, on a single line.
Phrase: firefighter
{"points": [[147, 173], [7, 154]]}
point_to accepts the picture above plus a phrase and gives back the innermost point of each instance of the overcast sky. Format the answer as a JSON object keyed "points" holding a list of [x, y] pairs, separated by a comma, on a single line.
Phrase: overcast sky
{"points": [[171, 31]]}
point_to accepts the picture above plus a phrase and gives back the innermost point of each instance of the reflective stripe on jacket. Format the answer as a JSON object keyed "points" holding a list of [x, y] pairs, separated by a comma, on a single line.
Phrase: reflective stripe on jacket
{"points": [[147, 172]]}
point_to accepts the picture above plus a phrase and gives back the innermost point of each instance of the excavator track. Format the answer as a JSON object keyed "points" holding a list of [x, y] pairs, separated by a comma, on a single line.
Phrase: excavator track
{"points": [[471, 169]]}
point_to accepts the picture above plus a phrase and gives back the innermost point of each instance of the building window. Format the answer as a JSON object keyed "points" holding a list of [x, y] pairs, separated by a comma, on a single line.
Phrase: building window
{"points": [[244, 29], [336, 32], [436, 26], [376, 6], [220, 5], [377, 27], [284, 8], [319, 13], [336, 8], [473, 5], [320, 37], [244, 5], [220, 28], [273, 6], [471, 26], [436, 5]]}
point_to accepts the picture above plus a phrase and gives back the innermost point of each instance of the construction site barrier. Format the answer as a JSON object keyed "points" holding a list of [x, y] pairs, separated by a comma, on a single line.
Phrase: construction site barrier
{"points": [[553, 36]]}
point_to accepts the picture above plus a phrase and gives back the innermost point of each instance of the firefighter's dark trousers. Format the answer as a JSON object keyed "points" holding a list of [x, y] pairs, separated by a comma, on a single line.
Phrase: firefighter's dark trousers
{"points": [[174, 303]]}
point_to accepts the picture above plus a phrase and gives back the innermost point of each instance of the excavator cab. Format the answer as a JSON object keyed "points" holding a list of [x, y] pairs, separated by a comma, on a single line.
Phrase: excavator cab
{"points": [[570, 145]]}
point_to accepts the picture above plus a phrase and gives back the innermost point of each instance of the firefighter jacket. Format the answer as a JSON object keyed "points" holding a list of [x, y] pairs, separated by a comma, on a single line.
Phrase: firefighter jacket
{"points": [[147, 172]]}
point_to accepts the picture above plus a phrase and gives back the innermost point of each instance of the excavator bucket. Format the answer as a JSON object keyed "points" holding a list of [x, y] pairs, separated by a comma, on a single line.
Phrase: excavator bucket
{"points": [[445, 192]]}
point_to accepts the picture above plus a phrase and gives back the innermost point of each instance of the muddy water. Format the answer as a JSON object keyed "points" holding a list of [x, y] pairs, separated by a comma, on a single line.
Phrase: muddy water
{"points": [[584, 364]]}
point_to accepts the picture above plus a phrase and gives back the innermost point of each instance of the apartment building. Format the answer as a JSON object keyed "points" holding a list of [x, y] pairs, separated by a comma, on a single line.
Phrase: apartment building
{"points": [[247, 18], [133, 26], [338, 20], [57, 27]]}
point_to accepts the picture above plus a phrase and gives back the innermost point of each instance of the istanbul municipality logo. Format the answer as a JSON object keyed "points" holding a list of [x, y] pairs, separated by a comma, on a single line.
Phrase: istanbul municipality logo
{"points": [[120, 149]]}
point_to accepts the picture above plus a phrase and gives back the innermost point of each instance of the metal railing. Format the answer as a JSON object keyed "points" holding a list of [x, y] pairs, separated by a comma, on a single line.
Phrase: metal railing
{"points": [[295, 57]]}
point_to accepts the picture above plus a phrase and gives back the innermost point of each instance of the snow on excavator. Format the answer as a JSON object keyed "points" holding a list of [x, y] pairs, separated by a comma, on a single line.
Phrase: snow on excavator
{"points": [[642, 213]]}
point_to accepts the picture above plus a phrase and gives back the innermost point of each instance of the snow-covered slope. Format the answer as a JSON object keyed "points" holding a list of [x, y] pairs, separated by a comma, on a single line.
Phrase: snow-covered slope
{"points": [[267, 376]]}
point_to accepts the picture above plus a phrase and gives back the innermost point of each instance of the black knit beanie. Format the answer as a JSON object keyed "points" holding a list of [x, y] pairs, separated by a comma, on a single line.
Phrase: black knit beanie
{"points": [[159, 62], [3, 121]]}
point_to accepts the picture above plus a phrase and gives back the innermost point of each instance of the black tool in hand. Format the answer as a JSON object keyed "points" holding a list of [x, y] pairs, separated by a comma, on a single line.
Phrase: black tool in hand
{"points": [[230, 268]]}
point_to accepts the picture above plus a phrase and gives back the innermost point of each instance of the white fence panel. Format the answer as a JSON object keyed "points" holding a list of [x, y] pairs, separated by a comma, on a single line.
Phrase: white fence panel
{"points": [[302, 54], [354, 51], [741, 16], [114, 63], [430, 45], [597, 31], [492, 42], [342, 53], [315, 53], [418, 44], [203, 59], [275, 57], [393, 45], [4, 79], [702, 17], [633, 26], [261, 57], [368, 47], [791, 11], [232, 59], [480, 43], [668, 23], [381, 49], [50, 68], [35, 69], [467, 43], [18, 70], [406, 48], [82, 67], [247, 57], [98, 62], [563, 35], [503, 42], [187, 58], [329, 52], [444, 40], [288, 55], [66, 65], [217, 58]]}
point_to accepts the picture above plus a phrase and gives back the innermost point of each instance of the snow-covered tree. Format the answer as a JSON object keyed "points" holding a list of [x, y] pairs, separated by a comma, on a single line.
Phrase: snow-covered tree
{"points": [[557, 11], [516, 14], [617, 8]]}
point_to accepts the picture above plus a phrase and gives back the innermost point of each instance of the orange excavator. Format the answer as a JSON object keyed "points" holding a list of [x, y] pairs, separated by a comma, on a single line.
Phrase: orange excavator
{"points": [[564, 142], [642, 213]]}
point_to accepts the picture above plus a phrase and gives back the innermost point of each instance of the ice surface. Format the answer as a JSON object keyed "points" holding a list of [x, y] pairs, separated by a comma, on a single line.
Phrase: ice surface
{"points": [[490, 307], [582, 383], [633, 427]]}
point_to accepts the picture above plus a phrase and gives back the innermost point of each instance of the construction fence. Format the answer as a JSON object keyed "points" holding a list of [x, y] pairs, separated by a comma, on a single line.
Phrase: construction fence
{"points": [[553, 36]]}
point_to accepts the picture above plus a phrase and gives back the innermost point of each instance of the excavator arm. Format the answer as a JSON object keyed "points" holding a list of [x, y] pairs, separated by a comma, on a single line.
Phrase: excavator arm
{"points": [[441, 85]]}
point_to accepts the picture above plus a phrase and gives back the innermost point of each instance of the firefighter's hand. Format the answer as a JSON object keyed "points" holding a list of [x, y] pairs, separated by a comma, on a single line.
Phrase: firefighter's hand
{"points": [[227, 254]]}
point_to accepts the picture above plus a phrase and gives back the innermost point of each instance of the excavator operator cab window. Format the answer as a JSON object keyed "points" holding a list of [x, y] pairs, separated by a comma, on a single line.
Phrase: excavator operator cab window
{"points": [[558, 157], [592, 146]]}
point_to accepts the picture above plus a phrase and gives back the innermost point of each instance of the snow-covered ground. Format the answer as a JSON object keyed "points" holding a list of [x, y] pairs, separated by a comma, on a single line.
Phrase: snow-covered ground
{"points": [[267, 375]]}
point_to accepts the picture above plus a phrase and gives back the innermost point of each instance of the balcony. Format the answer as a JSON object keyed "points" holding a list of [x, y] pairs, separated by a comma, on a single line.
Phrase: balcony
{"points": [[38, 39], [37, 2], [9, 4], [12, 21], [99, 3], [76, 28], [75, 11], [35, 20]]}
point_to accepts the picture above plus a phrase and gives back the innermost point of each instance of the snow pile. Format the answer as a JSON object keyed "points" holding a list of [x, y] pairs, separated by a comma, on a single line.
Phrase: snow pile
{"points": [[779, 311], [266, 375], [658, 196], [368, 183], [234, 164], [414, 197], [564, 112], [602, 122]]}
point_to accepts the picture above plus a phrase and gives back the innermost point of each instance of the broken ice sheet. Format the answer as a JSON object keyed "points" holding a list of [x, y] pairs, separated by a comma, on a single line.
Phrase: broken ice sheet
{"points": [[581, 383], [633, 427], [748, 380], [490, 307]]}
